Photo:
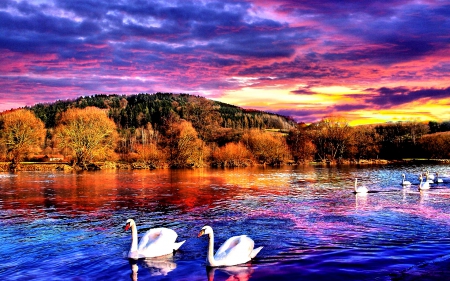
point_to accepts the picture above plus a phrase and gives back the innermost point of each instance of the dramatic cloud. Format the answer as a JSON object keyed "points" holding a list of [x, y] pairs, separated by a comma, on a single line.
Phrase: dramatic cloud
{"points": [[367, 61]]}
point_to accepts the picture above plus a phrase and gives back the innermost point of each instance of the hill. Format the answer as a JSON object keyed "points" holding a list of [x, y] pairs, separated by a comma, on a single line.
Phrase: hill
{"points": [[135, 111]]}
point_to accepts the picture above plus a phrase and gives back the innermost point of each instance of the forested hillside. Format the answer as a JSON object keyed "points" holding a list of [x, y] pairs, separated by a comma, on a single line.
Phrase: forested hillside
{"points": [[138, 110], [180, 131]]}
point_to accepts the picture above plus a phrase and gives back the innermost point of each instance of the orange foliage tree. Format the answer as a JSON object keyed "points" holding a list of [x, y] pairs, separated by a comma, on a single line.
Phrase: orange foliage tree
{"points": [[300, 144], [150, 155], [232, 155], [184, 147], [266, 147], [21, 133], [89, 133]]}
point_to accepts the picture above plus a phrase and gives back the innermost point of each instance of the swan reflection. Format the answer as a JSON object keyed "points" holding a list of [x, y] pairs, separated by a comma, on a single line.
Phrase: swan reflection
{"points": [[241, 273], [360, 201], [134, 269], [158, 266]]}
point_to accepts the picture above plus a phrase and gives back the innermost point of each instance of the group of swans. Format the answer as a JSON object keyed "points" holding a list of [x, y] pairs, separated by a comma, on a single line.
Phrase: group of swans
{"points": [[423, 185], [161, 241]]}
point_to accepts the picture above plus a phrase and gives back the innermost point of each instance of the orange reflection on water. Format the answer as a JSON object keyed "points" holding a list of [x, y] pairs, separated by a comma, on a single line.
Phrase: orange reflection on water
{"points": [[159, 189]]}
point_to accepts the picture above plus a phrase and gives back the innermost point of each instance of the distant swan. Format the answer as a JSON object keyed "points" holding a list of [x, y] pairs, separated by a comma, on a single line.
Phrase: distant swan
{"points": [[430, 178], [405, 182], [360, 189], [236, 250], [423, 185], [154, 243], [437, 179]]}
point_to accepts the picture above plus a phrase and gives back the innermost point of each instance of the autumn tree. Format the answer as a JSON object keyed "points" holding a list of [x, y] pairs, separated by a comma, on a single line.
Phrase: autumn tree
{"points": [[232, 155], [88, 132], [204, 117], [331, 136], [21, 133], [266, 147], [148, 150], [435, 146], [181, 141], [150, 155], [364, 143], [300, 143]]}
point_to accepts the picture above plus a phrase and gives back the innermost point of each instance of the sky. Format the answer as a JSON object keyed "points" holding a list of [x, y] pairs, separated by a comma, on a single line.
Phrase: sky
{"points": [[366, 61]]}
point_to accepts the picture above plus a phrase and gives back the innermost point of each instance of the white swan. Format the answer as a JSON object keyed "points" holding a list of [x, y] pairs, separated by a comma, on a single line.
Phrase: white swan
{"points": [[437, 179], [236, 250], [430, 178], [360, 189], [423, 185], [405, 182], [154, 243]]}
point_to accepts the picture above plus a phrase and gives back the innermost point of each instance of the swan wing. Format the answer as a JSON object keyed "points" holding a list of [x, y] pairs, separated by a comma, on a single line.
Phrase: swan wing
{"points": [[157, 242], [235, 250]]}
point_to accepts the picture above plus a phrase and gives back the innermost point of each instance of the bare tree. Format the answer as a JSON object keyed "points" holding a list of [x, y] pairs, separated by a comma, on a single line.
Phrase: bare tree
{"points": [[331, 137]]}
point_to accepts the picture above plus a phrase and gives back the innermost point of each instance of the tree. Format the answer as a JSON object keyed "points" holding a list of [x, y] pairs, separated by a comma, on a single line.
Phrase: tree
{"points": [[21, 133], [400, 139], [364, 143], [331, 137], [184, 147], [435, 146], [300, 143], [232, 155], [204, 117], [266, 147], [88, 132]]}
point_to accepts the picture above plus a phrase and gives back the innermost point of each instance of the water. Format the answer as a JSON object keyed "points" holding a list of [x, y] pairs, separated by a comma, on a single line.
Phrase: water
{"points": [[69, 226]]}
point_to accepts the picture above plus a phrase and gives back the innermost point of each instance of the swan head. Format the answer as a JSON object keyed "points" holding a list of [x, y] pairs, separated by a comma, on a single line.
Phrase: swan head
{"points": [[205, 230], [129, 223]]}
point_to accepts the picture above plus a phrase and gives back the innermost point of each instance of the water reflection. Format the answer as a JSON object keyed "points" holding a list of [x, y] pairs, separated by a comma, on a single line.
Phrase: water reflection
{"points": [[310, 223], [231, 273], [360, 201], [158, 266]]}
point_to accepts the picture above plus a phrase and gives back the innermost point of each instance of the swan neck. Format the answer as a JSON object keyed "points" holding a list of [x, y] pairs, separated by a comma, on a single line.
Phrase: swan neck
{"points": [[134, 238], [210, 256], [355, 184]]}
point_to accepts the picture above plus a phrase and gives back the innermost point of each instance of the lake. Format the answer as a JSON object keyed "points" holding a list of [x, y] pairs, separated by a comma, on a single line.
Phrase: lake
{"points": [[70, 226]]}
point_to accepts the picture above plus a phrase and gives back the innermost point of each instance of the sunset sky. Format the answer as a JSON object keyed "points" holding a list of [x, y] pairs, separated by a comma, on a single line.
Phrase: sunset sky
{"points": [[368, 61]]}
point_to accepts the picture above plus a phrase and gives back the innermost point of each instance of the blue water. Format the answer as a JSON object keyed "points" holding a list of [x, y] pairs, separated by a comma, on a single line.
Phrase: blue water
{"points": [[69, 226]]}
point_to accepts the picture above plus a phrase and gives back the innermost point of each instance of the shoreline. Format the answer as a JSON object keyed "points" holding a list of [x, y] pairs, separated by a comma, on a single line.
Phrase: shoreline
{"points": [[67, 167]]}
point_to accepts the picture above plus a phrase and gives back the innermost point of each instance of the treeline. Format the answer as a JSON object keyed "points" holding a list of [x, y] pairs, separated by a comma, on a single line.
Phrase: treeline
{"points": [[178, 131], [333, 140]]}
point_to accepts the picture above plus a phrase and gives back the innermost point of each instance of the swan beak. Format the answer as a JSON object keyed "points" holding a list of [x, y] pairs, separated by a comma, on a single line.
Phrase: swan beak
{"points": [[127, 226], [201, 233]]}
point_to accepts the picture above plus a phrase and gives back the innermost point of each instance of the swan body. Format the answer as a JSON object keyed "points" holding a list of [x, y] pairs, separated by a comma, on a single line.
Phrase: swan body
{"points": [[431, 177], [437, 179], [236, 250], [405, 182], [154, 243], [423, 185], [360, 189]]}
